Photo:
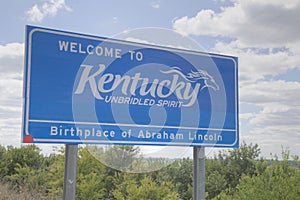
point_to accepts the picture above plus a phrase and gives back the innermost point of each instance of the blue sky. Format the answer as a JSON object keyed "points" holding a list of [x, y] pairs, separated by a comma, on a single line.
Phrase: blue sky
{"points": [[264, 35]]}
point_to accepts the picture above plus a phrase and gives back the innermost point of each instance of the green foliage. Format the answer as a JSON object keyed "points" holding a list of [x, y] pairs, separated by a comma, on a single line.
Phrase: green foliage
{"points": [[56, 176], [180, 173], [277, 181], [240, 161], [90, 186], [13, 157], [147, 188], [28, 179], [232, 174], [2, 151], [224, 172], [90, 176], [215, 183], [24, 169], [215, 180], [121, 157]]}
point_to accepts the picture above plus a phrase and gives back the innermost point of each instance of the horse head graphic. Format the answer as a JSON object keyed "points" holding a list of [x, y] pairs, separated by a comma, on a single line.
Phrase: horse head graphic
{"points": [[195, 76]]}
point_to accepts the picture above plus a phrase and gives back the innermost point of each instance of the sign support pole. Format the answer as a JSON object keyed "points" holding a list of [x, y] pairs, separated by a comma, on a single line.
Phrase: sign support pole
{"points": [[199, 173], [70, 171]]}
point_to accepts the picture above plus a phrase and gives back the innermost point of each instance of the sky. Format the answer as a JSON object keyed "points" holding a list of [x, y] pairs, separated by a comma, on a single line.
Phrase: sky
{"points": [[264, 35]]}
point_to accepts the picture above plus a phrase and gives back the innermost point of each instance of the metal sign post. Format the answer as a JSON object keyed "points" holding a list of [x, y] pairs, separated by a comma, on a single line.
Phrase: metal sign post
{"points": [[199, 173], [70, 171]]}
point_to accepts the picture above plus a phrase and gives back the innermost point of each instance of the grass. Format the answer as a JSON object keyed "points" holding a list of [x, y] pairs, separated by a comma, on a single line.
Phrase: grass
{"points": [[7, 193]]}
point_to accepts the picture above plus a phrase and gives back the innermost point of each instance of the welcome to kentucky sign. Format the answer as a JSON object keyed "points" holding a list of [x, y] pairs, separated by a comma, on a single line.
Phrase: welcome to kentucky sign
{"points": [[86, 89]]}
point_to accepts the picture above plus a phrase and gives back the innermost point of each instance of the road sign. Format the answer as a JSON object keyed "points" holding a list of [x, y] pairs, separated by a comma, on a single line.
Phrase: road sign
{"points": [[86, 89]]}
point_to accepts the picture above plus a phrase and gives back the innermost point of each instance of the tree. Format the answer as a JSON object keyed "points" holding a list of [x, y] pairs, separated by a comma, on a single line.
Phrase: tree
{"points": [[56, 176], [226, 169], [90, 176], [27, 179], [239, 161], [28, 155], [215, 183], [180, 173], [121, 157], [146, 189], [2, 151], [24, 169], [278, 181]]}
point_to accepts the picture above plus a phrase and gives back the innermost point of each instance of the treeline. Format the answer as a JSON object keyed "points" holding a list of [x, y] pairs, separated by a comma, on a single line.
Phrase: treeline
{"points": [[25, 173]]}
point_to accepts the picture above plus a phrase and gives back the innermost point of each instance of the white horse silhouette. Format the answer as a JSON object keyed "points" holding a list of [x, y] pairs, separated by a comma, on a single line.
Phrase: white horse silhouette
{"points": [[194, 76]]}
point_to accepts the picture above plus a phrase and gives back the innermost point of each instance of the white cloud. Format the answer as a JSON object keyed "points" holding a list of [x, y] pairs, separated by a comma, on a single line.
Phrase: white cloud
{"points": [[49, 8], [132, 39], [155, 5], [264, 35], [11, 67], [115, 19], [10, 131], [254, 22], [254, 65], [34, 14], [11, 58], [278, 121], [160, 37], [10, 109], [280, 105], [12, 50], [266, 92], [253, 26], [245, 116]]}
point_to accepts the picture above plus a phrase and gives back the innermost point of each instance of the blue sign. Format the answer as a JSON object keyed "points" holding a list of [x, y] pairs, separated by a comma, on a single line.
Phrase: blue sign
{"points": [[93, 90]]}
